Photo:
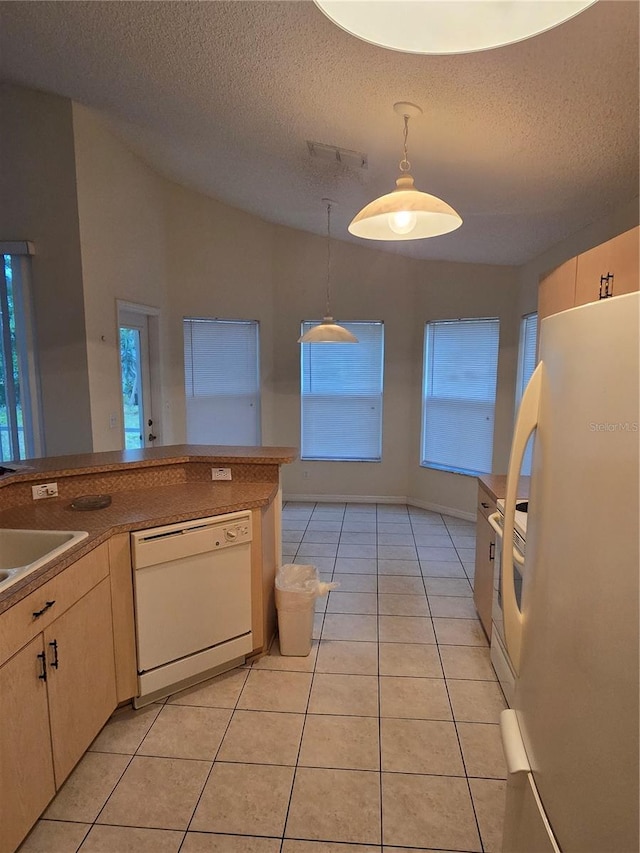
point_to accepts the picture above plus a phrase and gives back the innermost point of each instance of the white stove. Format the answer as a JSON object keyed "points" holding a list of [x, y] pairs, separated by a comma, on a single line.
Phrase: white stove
{"points": [[520, 526], [499, 656]]}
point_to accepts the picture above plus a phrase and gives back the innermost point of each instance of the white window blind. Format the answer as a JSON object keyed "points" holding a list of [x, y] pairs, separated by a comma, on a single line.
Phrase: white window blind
{"points": [[341, 395], [222, 381], [459, 393], [526, 366]]}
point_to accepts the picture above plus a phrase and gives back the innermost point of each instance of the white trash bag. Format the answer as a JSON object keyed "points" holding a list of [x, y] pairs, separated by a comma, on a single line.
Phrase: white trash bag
{"points": [[297, 587]]}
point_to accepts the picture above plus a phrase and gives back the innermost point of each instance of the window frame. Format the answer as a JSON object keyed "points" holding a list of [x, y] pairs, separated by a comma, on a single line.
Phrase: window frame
{"points": [[355, 327], [428, 345], [20, 253], [257, 398], [521, 384]]}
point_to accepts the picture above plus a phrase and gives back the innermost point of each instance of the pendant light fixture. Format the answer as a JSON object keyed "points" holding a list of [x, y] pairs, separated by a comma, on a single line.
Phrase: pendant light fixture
{"points": [[406, 213], [328, 332], [456, 26]]}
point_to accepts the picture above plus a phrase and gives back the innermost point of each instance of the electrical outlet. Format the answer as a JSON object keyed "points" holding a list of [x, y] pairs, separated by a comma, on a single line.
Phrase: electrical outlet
{"points": [[44, 490], [113, 420], [221, 473]]}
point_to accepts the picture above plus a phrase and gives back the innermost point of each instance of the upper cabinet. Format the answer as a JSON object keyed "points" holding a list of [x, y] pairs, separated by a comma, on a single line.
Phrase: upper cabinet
{"points": [[579, 280], [615, 260], [557, 290]]}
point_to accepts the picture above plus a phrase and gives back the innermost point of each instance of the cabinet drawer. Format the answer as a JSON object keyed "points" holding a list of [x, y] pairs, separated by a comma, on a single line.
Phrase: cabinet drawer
{"points": [[18, 625], [486, 504]]}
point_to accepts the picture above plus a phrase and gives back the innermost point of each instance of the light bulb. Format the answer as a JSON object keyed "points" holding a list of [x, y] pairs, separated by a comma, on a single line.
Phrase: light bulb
{"points": [[403, 221]]}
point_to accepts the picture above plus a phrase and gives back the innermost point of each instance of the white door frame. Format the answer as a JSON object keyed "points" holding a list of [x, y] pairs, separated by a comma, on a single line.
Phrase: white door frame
{"points": [[147, 319]]}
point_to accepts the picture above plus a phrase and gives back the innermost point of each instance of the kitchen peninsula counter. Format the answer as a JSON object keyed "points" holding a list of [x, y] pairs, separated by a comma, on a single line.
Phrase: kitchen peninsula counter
{"points": [[496, 486], [148, 488]]}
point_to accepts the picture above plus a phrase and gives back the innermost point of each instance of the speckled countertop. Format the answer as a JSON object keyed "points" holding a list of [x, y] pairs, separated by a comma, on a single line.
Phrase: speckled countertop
{"points": [[115, 460], [135, 508], [496, 485]]}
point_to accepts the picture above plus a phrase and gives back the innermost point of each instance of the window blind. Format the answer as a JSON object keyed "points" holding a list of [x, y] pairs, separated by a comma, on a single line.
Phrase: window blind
{"points": [[222, 381], [341, 395], [459, 392], [526, 365]]}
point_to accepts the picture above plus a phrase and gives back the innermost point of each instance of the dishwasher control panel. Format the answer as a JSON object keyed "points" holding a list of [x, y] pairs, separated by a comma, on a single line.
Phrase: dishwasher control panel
{"points": [[177, 541], [232, 534]]}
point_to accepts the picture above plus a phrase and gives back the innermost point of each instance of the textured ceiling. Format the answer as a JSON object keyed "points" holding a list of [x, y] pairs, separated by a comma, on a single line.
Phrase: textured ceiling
{"points": [[529, 142]]}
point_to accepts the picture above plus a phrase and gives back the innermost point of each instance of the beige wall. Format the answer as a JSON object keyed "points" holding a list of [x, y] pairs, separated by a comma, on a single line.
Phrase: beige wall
{"points": [[123, 229], [449, 291], [38, 203], [366, 285], [144, 239], [219, 265]]}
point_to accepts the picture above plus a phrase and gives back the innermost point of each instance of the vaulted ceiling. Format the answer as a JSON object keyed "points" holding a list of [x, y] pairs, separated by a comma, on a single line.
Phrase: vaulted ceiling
{"points": [[529, 142]]}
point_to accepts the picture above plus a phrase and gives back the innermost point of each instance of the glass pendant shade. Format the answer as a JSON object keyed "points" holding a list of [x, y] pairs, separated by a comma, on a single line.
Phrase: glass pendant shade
{"points": [[328, 332], [405, 214], [454, 26]]}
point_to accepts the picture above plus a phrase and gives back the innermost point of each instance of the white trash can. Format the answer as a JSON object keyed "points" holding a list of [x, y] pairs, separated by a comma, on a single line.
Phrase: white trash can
{"points": [[296, 610], [297, 588]]}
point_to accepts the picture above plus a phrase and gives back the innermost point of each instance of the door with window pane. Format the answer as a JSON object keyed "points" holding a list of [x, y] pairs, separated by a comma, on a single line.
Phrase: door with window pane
{"points": [[222, 381], [19, 426], [341, 396], [137, 408]]}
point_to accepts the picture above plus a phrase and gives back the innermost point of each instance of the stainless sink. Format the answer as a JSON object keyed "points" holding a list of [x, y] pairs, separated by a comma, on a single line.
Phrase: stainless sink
{"points": [[23, 551]]}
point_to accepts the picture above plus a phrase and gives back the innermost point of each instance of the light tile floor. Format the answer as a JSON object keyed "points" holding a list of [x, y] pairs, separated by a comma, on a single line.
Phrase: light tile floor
{"points": [[384, 739]]}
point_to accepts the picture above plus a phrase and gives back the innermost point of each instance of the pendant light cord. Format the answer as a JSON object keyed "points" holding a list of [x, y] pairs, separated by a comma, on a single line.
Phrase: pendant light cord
{"points": [[328, 311], [405, 165]]}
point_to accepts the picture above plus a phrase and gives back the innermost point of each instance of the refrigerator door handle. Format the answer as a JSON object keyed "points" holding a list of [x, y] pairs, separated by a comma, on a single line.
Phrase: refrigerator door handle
{"points": [[526, 422], [515, 754]]}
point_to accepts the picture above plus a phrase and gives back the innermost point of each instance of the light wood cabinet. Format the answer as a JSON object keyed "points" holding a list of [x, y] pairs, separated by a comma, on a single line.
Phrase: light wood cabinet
{"points": [[124, 632], [485, 560], [577, 281], [264, 561], [81, 677], [617, 258], [57, 689], [26, 765], [557, 289]]}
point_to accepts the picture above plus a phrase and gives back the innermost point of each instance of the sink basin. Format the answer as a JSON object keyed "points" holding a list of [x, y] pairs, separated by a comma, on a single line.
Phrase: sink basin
{"points": [[23, 551]]}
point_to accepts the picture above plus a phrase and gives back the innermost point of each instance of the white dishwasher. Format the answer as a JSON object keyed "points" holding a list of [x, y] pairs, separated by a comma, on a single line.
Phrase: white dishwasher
{"points": [[192, 592]]}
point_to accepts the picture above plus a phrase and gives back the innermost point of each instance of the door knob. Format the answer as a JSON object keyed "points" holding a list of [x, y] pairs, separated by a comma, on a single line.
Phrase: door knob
{"points": [[152, 437]]}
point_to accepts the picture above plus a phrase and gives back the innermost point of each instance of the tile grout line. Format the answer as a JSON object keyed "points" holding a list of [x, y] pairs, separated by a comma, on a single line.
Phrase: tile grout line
{"points": [[379, 691], [306, 712], [206, 781]]}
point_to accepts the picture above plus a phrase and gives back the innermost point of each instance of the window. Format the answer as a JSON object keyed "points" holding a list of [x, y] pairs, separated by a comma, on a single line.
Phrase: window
{"points": [[459, 394], [19, 423], [222, 381], [526, 366], [341, 396]]}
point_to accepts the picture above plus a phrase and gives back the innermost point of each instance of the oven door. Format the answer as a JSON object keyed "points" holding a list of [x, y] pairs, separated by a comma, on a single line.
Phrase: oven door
{"points": [[499, 655]]}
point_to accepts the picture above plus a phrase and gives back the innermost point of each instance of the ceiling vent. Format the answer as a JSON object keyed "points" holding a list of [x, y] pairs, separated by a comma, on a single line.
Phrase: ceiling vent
{"points": [[355, 159]]}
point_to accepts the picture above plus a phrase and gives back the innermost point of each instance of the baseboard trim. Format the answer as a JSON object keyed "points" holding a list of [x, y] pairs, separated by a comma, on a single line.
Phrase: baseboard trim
{"points": [[353, 499], [441, 508], [384, 499]]}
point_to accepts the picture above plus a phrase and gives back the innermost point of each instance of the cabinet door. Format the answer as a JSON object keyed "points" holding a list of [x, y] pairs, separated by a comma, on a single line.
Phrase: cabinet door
{"points": [[619, 257], [26, 768], [82, 680], [483, 578], [557, 289]]}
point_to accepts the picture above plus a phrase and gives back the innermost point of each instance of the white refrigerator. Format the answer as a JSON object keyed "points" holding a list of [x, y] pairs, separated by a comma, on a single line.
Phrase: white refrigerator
{"points": [[571, 736]]}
